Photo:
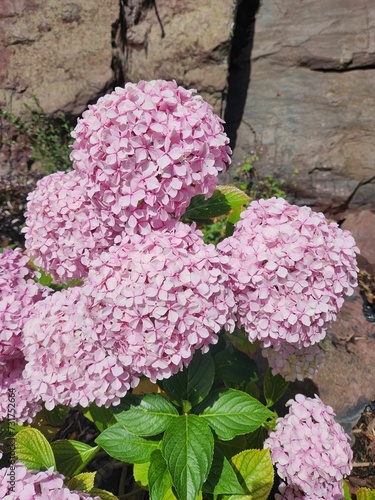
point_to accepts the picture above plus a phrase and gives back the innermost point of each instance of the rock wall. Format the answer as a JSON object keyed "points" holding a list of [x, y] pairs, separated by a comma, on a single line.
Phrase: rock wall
{"points": [[311, 99]]}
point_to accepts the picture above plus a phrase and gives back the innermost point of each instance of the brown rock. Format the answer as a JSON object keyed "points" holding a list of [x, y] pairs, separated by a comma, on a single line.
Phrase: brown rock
{"points": [[311, 98], [362, 226]]}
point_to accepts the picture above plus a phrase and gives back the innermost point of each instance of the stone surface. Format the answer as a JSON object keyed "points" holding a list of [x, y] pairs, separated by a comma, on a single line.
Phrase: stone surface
{"points": [[362, 226], [311, 99], [183, 40]]}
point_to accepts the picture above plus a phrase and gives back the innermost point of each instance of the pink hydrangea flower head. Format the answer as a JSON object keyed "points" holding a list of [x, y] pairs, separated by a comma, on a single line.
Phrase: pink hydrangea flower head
{"points": [[158, 298], [63, 232], [146, 150], [310, 450], [290, 271], [288, 492], [18, 295], [293, 362], [68, 362], [33, 485]]}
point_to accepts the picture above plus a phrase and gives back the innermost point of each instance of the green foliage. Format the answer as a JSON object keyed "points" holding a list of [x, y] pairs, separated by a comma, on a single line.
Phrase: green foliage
{"points": [[48, 137], [33, 450]]}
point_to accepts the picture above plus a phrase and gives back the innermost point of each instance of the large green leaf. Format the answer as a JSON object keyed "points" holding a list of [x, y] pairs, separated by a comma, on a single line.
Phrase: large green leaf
{"points": [[255, 473], [230, 412], [365, 494], [235, 367], [187, 448], [223, 200], [124, 445], [194, 382], [159, 478], [274, 387], [101, 417], [34, 450], [145, 415], [222, 478], [72, 456]]}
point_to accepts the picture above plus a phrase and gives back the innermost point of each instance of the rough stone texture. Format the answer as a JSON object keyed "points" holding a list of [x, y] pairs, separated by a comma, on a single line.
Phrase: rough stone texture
{"points": [[311, 99], [184, 40], [61, 51], [362, 226]]}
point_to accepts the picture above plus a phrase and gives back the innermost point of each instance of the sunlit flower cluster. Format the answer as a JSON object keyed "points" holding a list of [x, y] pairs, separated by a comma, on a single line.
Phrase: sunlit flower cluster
{"points": [[18, 295], [32, 485], [145, 150], [145, 308], [290, 272], [294, 363], [63, 232], [310, 450]]}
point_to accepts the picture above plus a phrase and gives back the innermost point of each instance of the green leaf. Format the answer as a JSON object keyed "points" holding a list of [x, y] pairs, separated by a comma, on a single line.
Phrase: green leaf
{"points": [[145, 415], [194, 382], [222, 478], [240, 341], [57, 416], [140, 473], [345, 487], [82, 482], [159, 478], [100, 416], [126, 446], [102, 494], [188, 447], [223, 200], [274, 387], [235, 368], [230, 412], [72, 456], [256, 439], [365, 494], [33, 450], [255, 473], [234, 217]]}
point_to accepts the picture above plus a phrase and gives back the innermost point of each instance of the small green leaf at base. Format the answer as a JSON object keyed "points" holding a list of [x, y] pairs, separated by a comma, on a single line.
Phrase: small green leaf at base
{"points": [[140, 473], [365, 494], [82, 482], [33, 450], [254, 471], [102, 494], [72, 456]]}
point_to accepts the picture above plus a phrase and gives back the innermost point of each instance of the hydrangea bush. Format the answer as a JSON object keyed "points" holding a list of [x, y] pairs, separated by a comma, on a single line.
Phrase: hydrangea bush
{"points": [[117, 286]]}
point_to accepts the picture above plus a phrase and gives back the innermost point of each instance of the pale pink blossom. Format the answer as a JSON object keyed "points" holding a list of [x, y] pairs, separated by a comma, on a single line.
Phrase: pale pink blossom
{"points": [[33, 485], [290, 272], [63, 232], [310, 450], [145, 150]]}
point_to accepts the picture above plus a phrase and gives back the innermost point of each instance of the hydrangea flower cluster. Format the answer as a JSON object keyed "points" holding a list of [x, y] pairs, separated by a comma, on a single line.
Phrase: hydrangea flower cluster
{"points": [[18, 295], [290, 272], [294, 363], [144, 309], [310, 450], [145, 150], [63, 233], [32, 485]]}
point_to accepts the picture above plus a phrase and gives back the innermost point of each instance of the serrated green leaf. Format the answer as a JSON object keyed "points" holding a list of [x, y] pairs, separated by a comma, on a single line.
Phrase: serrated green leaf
{"points": [[230, 413], [235, 368], [274, 387], [222, 478], [254, 471], [103, 494], [122, 444], [365, 494], [256, 439], [140, 473], [100, 416], [187, 448], [223, 200], [159, 478], [72, 456], [33, 450], [81, 482], [194, 382], [240, 341], [57, 416], [145, 415]]}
